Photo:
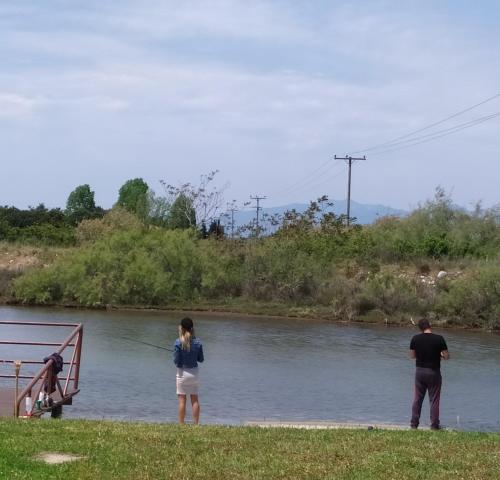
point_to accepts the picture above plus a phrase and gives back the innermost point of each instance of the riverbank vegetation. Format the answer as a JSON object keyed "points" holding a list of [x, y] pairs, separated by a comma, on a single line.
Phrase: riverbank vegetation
{"points": [[439, 261], [109, 450]]}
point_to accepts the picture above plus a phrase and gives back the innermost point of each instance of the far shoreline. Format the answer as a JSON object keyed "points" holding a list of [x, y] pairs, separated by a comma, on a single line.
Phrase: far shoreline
{"points": [[221, 311]]}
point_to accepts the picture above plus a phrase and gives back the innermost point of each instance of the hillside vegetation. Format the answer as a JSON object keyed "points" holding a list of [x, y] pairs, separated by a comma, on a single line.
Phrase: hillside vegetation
{"points": [[312, 266]]}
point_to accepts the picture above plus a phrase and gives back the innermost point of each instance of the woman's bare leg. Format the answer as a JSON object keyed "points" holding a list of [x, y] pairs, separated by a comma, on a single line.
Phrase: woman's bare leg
{"points": [[182, 408], [196, 408]]}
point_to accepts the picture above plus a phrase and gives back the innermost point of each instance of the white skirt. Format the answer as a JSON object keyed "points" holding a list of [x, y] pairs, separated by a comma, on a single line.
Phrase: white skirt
{"points": [[187, 381]]}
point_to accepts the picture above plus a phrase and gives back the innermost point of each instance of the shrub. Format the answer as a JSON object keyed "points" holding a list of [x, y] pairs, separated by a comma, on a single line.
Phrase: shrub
{"points": [[277, 269], [117, 219], [222, 268], [127, 267], [390, 294], [473, 298]]}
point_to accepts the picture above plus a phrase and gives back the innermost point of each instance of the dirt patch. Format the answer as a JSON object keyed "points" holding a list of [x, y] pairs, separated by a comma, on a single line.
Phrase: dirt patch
{"points": [[6, 277], [57, 458], [15, 261]]}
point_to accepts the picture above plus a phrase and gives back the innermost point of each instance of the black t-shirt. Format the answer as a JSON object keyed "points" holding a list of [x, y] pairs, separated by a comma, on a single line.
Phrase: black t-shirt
{"points": [[428, 348]]}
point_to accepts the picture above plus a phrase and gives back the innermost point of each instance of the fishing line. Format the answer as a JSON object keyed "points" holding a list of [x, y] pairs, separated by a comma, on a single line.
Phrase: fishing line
{"points": [[146, 343]]}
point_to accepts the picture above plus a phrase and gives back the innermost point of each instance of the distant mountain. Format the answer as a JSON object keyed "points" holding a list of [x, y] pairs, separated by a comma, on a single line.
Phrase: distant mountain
{"points": [[364, 213]]}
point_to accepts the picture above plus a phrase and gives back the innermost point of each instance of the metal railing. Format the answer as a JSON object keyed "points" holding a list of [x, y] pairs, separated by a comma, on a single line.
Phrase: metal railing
{"points": [[45, 376]]}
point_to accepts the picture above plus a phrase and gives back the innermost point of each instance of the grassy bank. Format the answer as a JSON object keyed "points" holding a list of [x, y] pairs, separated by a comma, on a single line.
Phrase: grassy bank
{"points": [[468, 300], [144, 451], [438, 262]]}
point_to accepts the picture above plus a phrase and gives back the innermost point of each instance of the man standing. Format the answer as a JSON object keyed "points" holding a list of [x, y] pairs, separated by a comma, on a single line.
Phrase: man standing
{"points": [[428, 349]]}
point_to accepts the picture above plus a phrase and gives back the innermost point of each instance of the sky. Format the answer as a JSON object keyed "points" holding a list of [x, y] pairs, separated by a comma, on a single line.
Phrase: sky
{"points": [[265, 92]]}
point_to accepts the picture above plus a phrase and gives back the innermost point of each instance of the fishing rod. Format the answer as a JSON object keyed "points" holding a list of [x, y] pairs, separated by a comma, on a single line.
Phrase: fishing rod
{"points": [[146, 343]]}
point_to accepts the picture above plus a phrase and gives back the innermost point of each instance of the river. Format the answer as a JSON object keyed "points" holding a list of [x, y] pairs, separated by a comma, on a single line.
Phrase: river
{"points": [[259, 368]]}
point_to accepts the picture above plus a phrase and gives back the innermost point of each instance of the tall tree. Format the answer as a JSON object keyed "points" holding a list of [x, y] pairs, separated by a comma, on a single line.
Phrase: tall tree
{"points": [[205, 199], [133, 195], [81, 205], [158, 209], [182, 213]]}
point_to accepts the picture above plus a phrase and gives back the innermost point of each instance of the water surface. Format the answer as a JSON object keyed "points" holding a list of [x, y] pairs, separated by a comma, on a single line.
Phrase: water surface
{"points": [[265, 368]]}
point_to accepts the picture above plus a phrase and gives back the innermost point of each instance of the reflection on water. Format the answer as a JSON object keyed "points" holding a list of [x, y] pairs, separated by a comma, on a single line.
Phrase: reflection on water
{"points": [[261, 368]]}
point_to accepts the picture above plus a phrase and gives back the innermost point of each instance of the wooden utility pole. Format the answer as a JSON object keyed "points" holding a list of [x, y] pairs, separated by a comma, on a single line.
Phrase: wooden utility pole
{"points": [[258, 208], [232, 210], [349, 161]]}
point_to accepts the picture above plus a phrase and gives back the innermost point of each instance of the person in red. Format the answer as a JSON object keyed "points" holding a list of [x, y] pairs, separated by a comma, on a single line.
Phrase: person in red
{"points": [[428, 349]]}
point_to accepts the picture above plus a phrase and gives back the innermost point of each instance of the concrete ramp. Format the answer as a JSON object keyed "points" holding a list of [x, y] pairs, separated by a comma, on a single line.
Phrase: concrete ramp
{"points": [[318, 425], [7, 402]]}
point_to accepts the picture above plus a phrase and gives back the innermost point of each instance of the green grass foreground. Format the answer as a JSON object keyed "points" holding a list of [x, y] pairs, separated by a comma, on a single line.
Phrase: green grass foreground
{"points": [[153, 451]]}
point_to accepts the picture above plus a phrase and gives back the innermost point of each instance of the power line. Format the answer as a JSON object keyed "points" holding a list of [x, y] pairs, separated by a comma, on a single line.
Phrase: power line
{"points": [[314, 181], [306, 178], [401, 142], [388, 143], [328, 178], [438, 134]]}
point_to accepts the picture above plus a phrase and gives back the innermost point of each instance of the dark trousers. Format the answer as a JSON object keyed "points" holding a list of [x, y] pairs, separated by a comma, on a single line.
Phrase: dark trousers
{"points": [[426, 380]]}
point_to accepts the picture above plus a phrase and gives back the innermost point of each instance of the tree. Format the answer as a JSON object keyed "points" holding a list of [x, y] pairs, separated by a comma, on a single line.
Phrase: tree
{"points": [[216, 229], [33, 216], [204, 199], [182, 214], [158, 210], [133, 195], [81, 205]]}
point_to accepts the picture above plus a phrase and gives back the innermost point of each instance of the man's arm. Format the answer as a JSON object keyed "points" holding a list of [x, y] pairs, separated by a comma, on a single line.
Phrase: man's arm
{"points": [[445, 355], [412, 353]]}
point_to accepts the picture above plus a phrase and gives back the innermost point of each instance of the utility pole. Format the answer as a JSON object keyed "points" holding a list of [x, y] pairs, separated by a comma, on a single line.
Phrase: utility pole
{"points": [[349, 161], [232, 210], [258, 208]]}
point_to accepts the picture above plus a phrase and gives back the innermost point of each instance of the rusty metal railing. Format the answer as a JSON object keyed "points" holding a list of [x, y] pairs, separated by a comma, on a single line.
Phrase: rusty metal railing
{"points": [[44, 377]]}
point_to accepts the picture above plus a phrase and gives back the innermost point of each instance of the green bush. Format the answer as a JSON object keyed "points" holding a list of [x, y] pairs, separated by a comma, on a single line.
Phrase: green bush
{"points": [[222, 268], [436, 230], [475, 298], [127, 267], [391, 294], [39, 234], [116, 220], [276, 269]]}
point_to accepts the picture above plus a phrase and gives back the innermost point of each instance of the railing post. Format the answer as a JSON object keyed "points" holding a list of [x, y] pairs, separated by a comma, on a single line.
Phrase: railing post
{"points": [[78, 357], [42, 375], [17, 366]]}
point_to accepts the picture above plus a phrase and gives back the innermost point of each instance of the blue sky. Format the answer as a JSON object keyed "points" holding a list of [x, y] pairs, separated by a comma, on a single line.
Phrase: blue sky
{"points": [[266, 92]]}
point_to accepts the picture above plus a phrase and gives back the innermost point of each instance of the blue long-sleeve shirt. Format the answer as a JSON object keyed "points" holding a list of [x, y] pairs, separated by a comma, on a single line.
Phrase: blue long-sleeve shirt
{"points": [[188, 359]]}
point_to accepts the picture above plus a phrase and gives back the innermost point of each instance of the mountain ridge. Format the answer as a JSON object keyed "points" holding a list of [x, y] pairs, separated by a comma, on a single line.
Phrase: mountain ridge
{"points": [[363, 213]]}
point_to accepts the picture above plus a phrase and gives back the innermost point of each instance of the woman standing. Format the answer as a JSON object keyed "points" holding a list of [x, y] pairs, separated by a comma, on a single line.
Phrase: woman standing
{"points": [[188, 351]]}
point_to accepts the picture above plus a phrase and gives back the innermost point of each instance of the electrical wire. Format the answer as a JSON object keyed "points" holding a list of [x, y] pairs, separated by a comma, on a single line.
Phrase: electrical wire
{"points": [[439, 134], [312, 176], [325, 177], [325, 180], [398, 143], [410, 134]]}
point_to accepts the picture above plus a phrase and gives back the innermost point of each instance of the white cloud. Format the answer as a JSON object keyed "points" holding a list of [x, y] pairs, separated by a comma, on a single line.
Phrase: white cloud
{"points": [[131, 76], [257, 20], [14, 105]]}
